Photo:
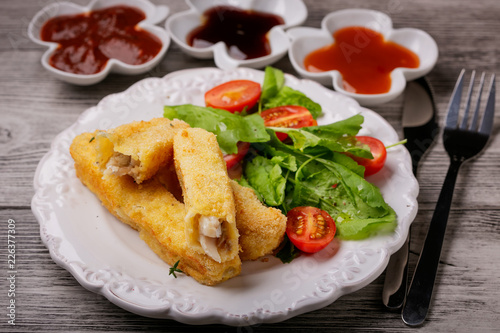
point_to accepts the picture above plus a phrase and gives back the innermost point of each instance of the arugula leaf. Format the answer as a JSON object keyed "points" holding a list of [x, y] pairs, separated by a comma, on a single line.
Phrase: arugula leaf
{"points": [[364, 228], [358, 186], [346, 127], [301, 139], [266, 178], [337, 137], [349, 163], [228, 127], [288, 252], [356, 205]]}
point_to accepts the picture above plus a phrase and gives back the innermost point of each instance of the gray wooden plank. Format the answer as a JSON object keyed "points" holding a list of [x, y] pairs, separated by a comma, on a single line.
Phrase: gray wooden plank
{"points": [[35, 107]]}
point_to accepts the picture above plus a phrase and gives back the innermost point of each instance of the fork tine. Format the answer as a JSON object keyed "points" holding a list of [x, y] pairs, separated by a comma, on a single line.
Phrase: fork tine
{"points": [[454, 106], [469, 98], [487, 123], [473, 125]]}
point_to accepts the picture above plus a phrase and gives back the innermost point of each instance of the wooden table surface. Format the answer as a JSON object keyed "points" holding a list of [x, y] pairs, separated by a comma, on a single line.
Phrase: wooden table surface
{"points": [[35, 107]]}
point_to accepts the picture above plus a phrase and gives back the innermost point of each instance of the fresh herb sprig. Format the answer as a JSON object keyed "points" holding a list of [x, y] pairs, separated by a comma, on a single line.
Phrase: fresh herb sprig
{"points": [[174, 269]]}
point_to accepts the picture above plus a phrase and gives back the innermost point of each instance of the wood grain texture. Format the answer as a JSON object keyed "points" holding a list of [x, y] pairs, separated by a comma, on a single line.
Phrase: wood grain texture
{"points": [[35, 107]]}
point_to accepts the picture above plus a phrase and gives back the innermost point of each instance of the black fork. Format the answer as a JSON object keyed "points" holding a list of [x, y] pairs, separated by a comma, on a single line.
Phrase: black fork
{"points": [[462, 141]]}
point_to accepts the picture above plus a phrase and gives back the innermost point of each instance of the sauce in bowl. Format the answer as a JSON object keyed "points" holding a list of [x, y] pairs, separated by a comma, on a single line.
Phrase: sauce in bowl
{"points": [[87, 41], [243, 31], [363, 57]]}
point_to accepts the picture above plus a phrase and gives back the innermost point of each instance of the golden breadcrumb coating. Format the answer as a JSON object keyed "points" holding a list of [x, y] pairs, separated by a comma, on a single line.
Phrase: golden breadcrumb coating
{"points": [[152, 210], [138, 149], [207, 193], [261, 228]]}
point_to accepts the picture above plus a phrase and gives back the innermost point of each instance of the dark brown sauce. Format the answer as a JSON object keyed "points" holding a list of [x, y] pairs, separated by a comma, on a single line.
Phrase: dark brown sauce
{"points": [[87, 41], [363, 57], [243, 31]]}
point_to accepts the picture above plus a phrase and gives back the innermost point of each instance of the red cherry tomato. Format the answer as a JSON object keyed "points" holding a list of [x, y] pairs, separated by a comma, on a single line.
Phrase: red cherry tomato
{"points": [[378, 151], [233, 159], [310, 229], [233, 95], [292, 116]]}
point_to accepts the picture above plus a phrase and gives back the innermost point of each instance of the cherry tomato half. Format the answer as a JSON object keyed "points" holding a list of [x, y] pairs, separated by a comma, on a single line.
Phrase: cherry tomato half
{"points": [[378, 151], [310, 229], [233, 159], [233, 95], [292, 116]]}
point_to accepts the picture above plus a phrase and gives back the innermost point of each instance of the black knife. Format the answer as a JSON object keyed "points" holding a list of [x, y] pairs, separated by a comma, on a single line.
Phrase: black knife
{"points": [[420, 128]]}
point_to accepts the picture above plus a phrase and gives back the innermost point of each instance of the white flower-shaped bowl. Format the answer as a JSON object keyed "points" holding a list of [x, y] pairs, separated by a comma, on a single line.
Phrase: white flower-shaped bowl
{"points": [[179, 25], [305, 40], [154, 15]]}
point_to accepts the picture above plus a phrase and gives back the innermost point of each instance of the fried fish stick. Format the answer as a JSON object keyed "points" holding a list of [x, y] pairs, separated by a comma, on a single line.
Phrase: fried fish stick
{"points": [[137, 149], [153, 211], [210, 213], [261, 228]]}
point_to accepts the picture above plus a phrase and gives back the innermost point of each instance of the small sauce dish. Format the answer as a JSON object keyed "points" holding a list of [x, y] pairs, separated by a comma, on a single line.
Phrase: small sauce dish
{"points": [[180, 25], [153, 15], [305, 40]]}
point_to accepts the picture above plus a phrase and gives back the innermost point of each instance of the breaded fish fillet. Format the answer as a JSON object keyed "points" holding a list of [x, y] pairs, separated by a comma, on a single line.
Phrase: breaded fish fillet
{"points": [[261, 228], [137, 149], [152, 210], [208, 197]]}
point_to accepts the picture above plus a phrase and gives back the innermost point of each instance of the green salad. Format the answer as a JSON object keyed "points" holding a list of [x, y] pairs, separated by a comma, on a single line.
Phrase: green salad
{"points": [[312, 168]]}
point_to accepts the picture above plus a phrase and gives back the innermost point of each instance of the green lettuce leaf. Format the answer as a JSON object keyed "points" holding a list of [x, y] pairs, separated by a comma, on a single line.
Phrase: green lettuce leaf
{"points": [[275, 93], [274, 80], [266, 178], [289, 96], [229, 128]]}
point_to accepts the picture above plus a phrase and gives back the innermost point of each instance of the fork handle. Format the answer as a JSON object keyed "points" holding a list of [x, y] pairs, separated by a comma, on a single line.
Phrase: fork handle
{"points": [[419, 295]]}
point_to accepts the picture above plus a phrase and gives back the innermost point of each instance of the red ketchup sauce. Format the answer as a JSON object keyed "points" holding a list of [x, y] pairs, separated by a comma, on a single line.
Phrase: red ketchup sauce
{"points": [[363, 57], [243, 31], [87, 41]]}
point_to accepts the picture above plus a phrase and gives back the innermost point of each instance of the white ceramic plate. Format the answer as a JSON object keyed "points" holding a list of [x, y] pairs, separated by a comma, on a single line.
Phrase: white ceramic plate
{"points": [[108, 257]]}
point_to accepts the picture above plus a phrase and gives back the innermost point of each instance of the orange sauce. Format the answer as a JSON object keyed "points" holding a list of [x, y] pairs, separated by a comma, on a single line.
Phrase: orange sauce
{"points": [[363, 57]]}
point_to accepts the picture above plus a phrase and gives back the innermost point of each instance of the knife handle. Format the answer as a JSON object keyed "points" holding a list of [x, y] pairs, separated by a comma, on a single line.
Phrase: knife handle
{"points": [[396, 278]]}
